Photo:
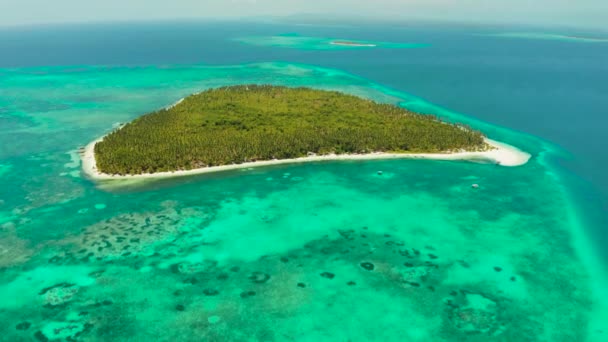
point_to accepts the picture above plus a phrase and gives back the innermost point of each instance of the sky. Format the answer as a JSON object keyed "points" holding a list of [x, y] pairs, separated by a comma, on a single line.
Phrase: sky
{"points": [[584, 13]]}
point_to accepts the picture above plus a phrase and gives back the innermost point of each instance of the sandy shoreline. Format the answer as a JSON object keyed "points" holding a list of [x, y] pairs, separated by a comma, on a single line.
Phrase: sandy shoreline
{"points": [[502, 154]]}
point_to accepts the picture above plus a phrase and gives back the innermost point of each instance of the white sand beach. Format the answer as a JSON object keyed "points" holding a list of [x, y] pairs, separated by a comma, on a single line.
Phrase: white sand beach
{"points": [[501, 154]]}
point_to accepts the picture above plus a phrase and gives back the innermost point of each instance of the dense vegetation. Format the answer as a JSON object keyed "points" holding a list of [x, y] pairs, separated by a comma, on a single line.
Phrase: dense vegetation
{"points": [[237, 124]]}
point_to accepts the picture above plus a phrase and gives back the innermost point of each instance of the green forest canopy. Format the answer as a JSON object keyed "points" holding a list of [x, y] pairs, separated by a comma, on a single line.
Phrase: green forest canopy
{"points": [[236, 124]]}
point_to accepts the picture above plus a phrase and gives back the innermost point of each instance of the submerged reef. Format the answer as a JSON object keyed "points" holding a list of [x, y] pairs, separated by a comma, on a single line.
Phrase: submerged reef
{"points": [[129, 235], [218, 300], [13, 250]]}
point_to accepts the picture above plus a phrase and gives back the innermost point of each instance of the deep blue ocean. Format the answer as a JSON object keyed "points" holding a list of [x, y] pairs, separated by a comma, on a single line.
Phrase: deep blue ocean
{"points": [[553, 89]]}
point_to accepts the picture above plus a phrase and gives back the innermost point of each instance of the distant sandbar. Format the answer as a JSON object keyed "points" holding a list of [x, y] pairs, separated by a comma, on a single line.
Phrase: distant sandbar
{"points": [[347, 43]]}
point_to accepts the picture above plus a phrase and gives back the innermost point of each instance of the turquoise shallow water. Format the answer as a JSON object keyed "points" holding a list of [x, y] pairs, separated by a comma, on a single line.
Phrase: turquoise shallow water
{"points": [[328, 251]]}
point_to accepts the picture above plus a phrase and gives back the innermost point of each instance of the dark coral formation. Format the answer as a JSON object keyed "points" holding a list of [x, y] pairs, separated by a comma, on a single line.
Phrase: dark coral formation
{"points": [[259, 277], [328, 275], [475, 313], [127, 236], [23, 326], [211, 292], [59, 294], [368, 266], [247, 294]]}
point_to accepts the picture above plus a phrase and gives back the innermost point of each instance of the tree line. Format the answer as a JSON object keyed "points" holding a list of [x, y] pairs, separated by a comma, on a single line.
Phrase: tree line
{"points": [[236, 124]]}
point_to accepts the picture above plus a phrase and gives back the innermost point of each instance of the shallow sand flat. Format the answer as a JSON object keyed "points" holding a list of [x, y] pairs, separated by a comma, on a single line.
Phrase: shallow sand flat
{"points": [[501, 154]]}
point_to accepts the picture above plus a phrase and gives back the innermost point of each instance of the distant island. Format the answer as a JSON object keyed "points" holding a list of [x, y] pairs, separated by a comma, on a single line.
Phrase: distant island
{"points": [[347, 43], [251, 125]]}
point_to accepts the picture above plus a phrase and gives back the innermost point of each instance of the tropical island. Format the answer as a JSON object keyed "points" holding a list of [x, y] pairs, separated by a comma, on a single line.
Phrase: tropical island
{"points": [[251, 125]]}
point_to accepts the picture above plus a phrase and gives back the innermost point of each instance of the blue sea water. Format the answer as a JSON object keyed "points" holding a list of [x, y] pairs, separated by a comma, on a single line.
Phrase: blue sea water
{"points": [[63, 86]]}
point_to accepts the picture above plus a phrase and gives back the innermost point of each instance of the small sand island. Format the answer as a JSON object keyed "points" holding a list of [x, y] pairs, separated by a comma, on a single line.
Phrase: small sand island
{"points": [[255, 125], [348, 43]]}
